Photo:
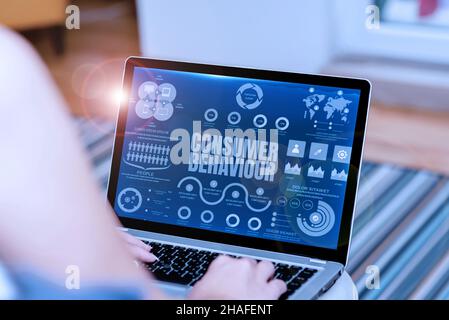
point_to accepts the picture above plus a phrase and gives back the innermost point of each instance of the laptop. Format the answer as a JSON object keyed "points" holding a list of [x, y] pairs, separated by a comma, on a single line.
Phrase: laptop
{"points": [[212, 160]]}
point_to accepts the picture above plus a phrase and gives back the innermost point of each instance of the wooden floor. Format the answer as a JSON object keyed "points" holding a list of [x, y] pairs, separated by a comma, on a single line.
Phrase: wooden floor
{"points": [[90, 71], [408, 137]]}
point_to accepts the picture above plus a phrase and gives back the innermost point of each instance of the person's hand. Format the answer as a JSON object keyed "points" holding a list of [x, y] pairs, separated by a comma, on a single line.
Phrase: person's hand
{"points": [[229, 278], [139, 250]]}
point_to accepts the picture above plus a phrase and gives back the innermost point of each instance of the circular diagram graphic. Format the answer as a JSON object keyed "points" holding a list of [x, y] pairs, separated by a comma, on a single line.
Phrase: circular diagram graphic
{"points": [[147, 91], [282, 201], [319, 222], [307, 205], [254, 224], [207, 216], [166, 92], [213, 184], [234, 117], [155, 101], [260, 121], [129, 200], [163, 111], [282, 123], [145, 109], [294, 203], [249, 96], [184, 213], [232, 220], [211, 115]]}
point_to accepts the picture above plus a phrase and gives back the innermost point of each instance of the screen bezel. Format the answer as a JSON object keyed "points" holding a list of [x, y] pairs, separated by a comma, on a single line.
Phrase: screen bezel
{"points": [[340, 253]]}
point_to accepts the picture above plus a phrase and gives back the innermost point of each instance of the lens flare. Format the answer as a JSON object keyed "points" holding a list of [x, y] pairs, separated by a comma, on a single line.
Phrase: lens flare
{"points": [[118, 96]]}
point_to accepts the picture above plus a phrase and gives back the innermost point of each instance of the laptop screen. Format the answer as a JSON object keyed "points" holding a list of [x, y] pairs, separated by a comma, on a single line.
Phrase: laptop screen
{"points": [[242, 156]]}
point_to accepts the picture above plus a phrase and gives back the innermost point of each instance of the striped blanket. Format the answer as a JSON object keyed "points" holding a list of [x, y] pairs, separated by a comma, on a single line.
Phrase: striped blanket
{"points": [[401, 224]]}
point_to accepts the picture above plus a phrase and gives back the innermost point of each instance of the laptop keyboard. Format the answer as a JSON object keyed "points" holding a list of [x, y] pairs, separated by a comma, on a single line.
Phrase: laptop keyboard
{"points": [[188, 265]]}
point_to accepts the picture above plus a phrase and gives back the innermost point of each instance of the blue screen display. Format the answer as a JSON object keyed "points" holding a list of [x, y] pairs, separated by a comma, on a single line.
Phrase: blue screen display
{"points": [[257, 158]]}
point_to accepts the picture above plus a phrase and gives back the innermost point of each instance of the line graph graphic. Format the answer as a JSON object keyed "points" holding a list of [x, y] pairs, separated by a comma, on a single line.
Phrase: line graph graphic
{"points": [[223, 194]]}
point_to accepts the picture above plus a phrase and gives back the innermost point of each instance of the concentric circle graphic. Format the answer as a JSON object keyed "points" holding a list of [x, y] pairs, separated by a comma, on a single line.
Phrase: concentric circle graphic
{"points": [[207, 216], [319, 222], [282, 123], [211, 115], [234, 117], [184, 213], [254, 224], [232, 220], [260, 121]]}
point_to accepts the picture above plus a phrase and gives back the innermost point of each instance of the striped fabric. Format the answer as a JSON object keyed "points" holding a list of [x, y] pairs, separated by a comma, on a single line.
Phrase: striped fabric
{"points": [[401, 223]]}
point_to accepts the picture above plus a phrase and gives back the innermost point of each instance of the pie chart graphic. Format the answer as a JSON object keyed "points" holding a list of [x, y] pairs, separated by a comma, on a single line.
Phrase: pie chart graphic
{"points": [[318, 222], [129, 200]]}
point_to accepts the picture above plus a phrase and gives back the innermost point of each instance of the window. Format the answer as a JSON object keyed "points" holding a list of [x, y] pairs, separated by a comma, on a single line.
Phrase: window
{"points": [[414, 30], [432, 13]]}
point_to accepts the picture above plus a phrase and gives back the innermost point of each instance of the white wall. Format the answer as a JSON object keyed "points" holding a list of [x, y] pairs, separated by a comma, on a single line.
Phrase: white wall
{"points": [[272, 34]]}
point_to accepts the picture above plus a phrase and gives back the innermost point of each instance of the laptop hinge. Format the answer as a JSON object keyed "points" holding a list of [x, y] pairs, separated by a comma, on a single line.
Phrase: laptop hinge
{"points": [[317, 261]]}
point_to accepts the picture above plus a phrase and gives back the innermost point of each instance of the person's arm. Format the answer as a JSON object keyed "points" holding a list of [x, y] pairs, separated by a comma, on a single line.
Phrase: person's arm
{"points": [[52, 213]]}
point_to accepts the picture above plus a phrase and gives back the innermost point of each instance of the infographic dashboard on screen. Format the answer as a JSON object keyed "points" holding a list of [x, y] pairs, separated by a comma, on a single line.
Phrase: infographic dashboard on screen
{"points": [[257, 158]]}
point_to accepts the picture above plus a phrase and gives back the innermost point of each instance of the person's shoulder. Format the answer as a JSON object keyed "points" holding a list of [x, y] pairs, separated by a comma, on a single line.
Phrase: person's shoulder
{"points": [[20, 64], [15, 50]]}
